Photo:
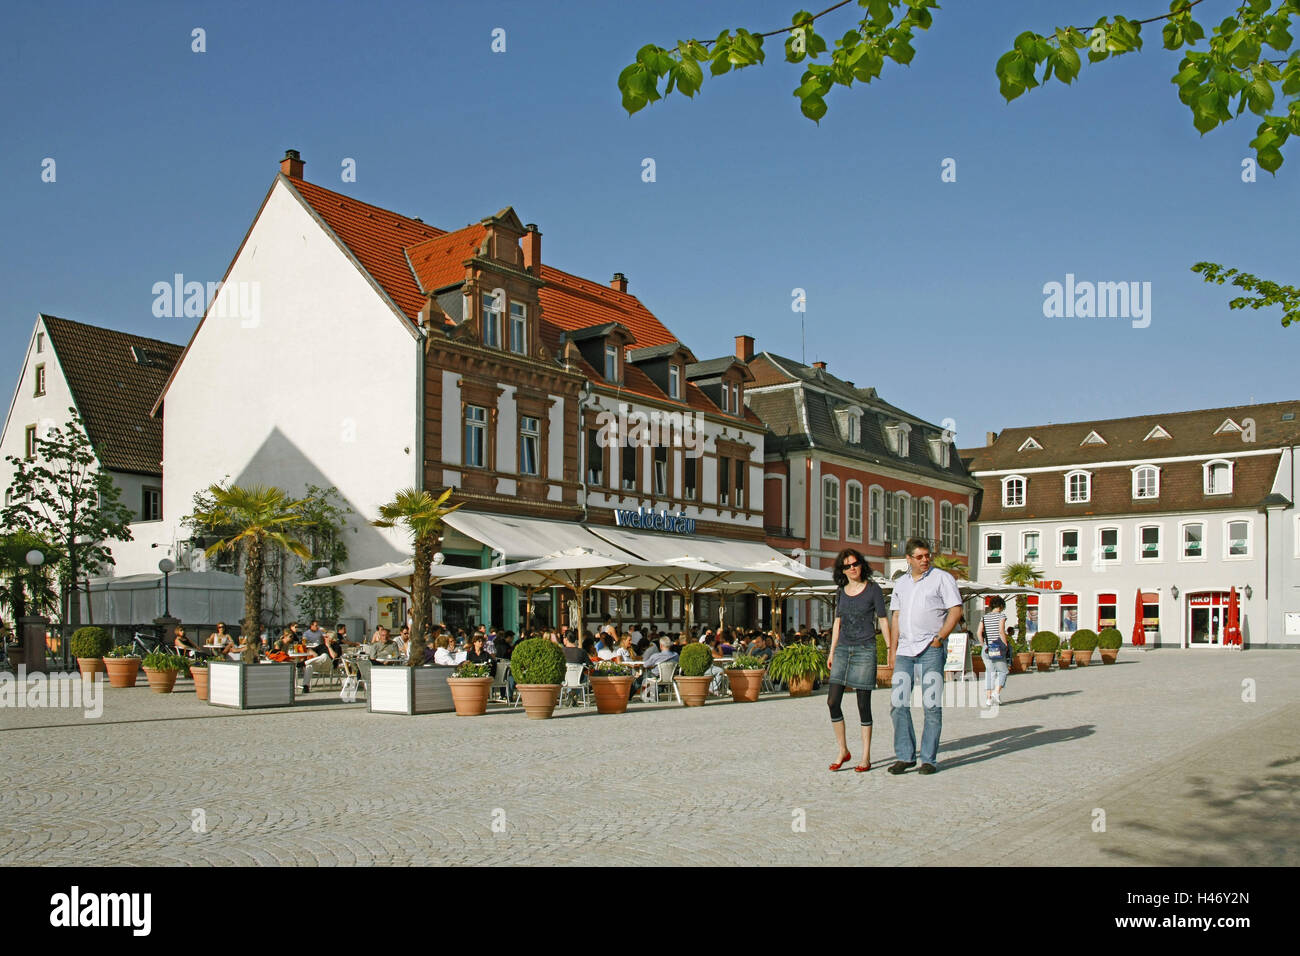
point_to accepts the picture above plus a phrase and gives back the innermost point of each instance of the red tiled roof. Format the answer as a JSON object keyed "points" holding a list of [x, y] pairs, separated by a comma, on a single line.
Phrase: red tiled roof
{"points": [[440, 262], [570, 303]]}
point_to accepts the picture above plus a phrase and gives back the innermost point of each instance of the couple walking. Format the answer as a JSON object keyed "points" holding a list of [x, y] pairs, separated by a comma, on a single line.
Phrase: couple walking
{"points": [[924, 609]]}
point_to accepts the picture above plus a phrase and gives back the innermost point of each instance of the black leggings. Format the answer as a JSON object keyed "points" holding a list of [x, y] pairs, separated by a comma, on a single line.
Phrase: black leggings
{"points": [[864, 705]]}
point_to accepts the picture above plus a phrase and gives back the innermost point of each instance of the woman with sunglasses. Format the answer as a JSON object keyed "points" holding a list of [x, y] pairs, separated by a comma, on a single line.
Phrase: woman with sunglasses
{"points": [[859, 612]]}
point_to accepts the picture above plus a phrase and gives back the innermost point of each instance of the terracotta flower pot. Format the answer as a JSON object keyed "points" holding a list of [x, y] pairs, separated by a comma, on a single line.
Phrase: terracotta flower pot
{"points": [[1083, 658], [1044, 661], [611, 693], [1023, 661], [977, 663], [122, 671], [745, 684], [884, 676], [200, 675], [469, 695], [1066, 658], [694, 690], [1108, 654], [90, 666], [161, 682], [539, 699], [800, 686]]}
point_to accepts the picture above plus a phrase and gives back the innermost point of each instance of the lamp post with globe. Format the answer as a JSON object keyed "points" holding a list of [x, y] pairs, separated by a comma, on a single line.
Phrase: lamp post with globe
{"points": [[166, 624], [31, 627]]}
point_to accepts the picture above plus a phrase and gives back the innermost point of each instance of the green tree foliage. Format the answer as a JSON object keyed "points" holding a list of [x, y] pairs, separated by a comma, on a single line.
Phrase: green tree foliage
{"points": [[325, 518], [1266, 293], [420, 514]]}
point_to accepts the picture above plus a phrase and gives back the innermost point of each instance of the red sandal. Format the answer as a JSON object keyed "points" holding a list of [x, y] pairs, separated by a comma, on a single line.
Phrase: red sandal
{"points": [[843, 760], [863, 769]]}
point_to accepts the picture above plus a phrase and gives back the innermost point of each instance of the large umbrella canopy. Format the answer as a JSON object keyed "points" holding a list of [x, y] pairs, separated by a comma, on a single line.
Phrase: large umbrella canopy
{"points": [[396, 574], [1139, 633], [787, 576], [689, 575]]}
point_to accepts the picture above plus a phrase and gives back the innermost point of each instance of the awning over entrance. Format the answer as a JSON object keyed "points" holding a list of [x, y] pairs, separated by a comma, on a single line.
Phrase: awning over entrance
{"points": [[522, 538], [657, 546]]}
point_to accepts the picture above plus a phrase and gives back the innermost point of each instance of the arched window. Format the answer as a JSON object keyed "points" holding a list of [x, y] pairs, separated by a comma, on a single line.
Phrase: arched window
{"points": [[1013, 491], [1146, 482], [1078, 487], [1218, 477]]}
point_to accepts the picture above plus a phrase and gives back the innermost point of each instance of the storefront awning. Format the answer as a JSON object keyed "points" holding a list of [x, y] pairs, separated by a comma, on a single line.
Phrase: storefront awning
{"points": [[658, 546], [522, 538]]}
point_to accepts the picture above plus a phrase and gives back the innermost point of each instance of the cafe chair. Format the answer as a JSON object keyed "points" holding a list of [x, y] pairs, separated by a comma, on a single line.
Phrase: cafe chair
{"points": [[574, 685], [664, 675]]}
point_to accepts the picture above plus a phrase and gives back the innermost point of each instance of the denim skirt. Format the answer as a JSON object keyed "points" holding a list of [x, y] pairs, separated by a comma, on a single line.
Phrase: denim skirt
{"points": [[854, 667]]}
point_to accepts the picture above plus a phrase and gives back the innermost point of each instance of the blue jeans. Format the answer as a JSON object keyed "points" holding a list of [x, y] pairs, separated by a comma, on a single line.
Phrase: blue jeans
{"points": [[995, 673], [927, 669]]}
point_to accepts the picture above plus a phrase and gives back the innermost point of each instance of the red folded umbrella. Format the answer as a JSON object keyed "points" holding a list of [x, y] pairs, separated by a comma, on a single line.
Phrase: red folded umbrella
{"points": [[1232, 633], [1139, 633]]}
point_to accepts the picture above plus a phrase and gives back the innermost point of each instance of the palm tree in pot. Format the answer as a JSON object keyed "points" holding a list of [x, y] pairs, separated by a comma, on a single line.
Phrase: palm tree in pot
{"points": [[420, 514], [1020, 574]]}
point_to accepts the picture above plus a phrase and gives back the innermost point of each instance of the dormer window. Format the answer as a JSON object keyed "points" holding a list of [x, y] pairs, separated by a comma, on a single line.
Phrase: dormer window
{"points": [[1030, 444], [939, 451], [726, 398], [850, 424], [735, 399], [519, 328], [1157, 433], [1228, 427], [491, 321], [1078, 487], [896, 435], [1013, 491], [675, 381], [1217, 477], [1146, 482], [853, 429], [611, 363], [1093, 439]]}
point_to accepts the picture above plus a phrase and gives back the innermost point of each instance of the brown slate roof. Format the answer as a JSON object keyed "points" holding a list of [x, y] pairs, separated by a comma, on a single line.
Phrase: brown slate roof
{"points": [[113, 392]]}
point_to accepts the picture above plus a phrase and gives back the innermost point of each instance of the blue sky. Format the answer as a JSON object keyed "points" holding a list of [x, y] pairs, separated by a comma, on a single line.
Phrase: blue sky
{"points": [[930, 291]]}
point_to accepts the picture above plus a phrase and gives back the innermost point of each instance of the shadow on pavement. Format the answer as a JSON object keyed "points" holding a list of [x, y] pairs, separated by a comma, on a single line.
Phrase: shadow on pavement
{"points": [[1025, 700], [1008, 742]]}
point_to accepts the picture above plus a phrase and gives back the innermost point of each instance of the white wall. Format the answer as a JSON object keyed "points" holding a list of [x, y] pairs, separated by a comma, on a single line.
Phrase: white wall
{"points": [[50, 409]]}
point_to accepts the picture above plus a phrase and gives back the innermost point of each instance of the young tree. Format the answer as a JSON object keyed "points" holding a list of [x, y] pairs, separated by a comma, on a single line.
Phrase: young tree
{"points": [[62, 495], [420, 514], [325, 517], [25, 589]]}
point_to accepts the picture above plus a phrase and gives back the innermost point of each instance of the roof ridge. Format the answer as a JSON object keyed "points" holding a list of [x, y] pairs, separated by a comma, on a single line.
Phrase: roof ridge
{"points": [[414, 223], [1091, 422], [46, 317]]}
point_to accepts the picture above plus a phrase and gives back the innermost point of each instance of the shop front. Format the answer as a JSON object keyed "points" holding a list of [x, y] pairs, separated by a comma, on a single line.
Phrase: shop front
{"points": [[1207, 618]]}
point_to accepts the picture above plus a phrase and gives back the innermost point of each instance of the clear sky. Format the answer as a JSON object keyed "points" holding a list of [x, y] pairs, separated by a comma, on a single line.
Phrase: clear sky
{"points": [[930, 291]]}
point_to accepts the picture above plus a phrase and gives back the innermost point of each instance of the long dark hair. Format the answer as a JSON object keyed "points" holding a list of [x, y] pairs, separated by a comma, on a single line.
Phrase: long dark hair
{"points": [[837, 571]]}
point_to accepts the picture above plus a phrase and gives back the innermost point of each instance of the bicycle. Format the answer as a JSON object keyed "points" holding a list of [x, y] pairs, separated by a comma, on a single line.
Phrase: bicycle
{"points": [[141, 643]]}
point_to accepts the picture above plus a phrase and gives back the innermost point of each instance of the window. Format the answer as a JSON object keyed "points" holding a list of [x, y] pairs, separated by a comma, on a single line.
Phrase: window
{"points": [[896, 517], [518, 327], [1069, 552], [854, 494], [593, 601], [1078, 487], [627, 456], [1093, 439], [1237, 539], [40, 342], [1150, 611], [1106, 605], [529, 435], [491, 321], [475, 436], [660, 454], [923, 518], [1193, 541], [945, 526], [1146, 482], [674, 381], [740, 482], [726, 398], [1108, 544], [830, 508], [1030, 550], [735, 399], [1031, 614], [1069, 613], [611, 363], [904, 448], [1030, 444], [1149, 543], [877, 528], [40, 380], [724, 480], [29, 442], [959, 527], [992, 549], [595, 458], [690, 464], [1218, 477], [854, 432], [151, 504], [1013, 492]]}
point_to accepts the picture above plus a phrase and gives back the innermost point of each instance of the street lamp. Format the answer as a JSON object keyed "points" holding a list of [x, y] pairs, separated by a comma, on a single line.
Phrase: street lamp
{"points": [[322, 572], [166, 566]]}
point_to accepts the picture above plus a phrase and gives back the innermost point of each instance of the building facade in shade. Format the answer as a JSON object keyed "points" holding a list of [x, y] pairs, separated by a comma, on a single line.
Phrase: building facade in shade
{"points": [[844, 468], [387, 353], [1178, 508]]}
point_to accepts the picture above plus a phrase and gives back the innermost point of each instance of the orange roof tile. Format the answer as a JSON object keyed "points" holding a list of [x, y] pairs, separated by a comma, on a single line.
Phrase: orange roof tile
{"points": [[440, 262], [570, 303]]}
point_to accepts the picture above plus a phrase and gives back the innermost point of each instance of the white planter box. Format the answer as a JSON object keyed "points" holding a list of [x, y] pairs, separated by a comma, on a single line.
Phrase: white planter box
{"points": [[396, 689], [245, 686]]}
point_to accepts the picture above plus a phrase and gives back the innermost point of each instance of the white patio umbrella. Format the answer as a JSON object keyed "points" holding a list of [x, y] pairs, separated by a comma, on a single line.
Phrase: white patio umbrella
{"points": [[786, 577], [396, 574], [689, 575]]}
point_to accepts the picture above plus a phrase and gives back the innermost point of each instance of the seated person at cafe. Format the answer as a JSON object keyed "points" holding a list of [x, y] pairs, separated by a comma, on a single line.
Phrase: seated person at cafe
{"points": [[589, 650], [183, 644], [330, 650], [404, 639], [385, 648], [664, 655], [219, 642], [478, 654], [444, 653], [279, 651], [761, 647], [573, 654]]}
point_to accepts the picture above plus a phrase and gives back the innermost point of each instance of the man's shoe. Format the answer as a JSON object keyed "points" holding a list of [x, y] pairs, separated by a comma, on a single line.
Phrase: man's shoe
{"points": [[900, 767], [928, 768]]}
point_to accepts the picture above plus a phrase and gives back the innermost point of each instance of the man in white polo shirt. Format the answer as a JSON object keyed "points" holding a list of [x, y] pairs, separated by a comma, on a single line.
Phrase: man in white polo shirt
{"points": [[926, 607]]}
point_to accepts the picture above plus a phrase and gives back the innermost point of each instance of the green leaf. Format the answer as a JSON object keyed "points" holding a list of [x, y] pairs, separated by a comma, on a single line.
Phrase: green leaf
{"points": [[1269, 159], [813, 107]]}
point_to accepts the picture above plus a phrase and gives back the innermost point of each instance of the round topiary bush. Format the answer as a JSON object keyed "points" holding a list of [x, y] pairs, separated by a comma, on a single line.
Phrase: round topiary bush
{"points": [[1045, 642], [91, 642], [537, 661], [1084, 640], [695, 661], [1110, 639]]}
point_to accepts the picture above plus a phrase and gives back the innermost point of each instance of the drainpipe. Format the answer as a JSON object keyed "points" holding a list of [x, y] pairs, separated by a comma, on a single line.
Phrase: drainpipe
{"points": [[582, 444], [420, 342]]}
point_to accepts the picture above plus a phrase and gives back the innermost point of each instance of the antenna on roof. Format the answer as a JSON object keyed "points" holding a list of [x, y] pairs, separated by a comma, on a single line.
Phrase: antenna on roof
{"points": [[803, 342]]}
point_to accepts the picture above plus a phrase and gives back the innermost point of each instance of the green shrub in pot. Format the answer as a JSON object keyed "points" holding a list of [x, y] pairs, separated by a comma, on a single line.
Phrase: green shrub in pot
{"points": [[537, 661], [695, 661]]}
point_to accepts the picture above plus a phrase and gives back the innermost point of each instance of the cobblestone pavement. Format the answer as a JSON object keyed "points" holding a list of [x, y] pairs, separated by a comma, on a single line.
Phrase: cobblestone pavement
{"points": [[1185, 770]]}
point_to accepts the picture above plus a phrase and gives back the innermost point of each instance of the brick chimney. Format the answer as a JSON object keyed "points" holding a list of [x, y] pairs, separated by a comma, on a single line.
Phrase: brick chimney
{"points": [[820, 365], [292, 164], [619, 282], [745, 348], [990, 438], [531, 243]]}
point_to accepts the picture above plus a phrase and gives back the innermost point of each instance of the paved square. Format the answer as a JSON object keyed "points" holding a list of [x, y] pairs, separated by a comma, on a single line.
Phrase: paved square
{"points": [[1185, 770]]}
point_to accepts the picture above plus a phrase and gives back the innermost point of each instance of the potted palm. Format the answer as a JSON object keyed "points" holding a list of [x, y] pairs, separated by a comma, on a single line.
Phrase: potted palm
{"points": [[1083, 643], [745, 675], [199, 671], [470, 685], [537, 666], [89, 645], [1021, 656], [161, 668], [798, 666], [611, 684], [123, 666], [1044, 646], [693, 676], [884, 670], [420, 514], [1109, 641], [1021, 574], [1066, 655]]}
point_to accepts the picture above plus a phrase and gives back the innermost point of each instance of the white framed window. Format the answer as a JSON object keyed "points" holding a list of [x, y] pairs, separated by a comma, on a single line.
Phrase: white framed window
{"points": [[661, 470], [993, 549], [491, 321], [690, 468], [29, 442], [1146, 482], [876, 500], [674, 381], [735, 399], [1068, 546], [1078, 487], [852, 429], [902, 509], [1148, 545], [1218, 477], [904, 446], [1236, 539], [475, 455], [611, 363], [959, 529], [1031, 547], [529, 436], [40, 381], [40, 342], [1192, 536], [1013, 491], [1108, 545], [945, 526], [853, 495], [939, 451], [594, 598], [151, 504], [923, 518], [518, 327], [830, 508]]}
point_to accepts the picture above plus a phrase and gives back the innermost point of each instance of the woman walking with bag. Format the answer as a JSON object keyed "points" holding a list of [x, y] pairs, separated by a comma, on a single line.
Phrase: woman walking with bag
{"points": [[859, 610], [996, 650]]}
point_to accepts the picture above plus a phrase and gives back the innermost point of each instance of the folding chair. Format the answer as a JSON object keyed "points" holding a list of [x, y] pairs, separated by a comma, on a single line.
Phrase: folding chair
{"points": [[665, 674], [574, 684]]}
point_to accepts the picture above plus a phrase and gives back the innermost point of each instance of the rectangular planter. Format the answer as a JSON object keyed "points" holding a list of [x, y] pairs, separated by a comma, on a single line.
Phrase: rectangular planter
{"points": [[395, 689], [247, 686]]}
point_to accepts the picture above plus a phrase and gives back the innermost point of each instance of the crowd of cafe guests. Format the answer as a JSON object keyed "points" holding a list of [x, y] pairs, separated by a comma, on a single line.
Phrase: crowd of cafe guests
{"points": [[315, 649]]}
